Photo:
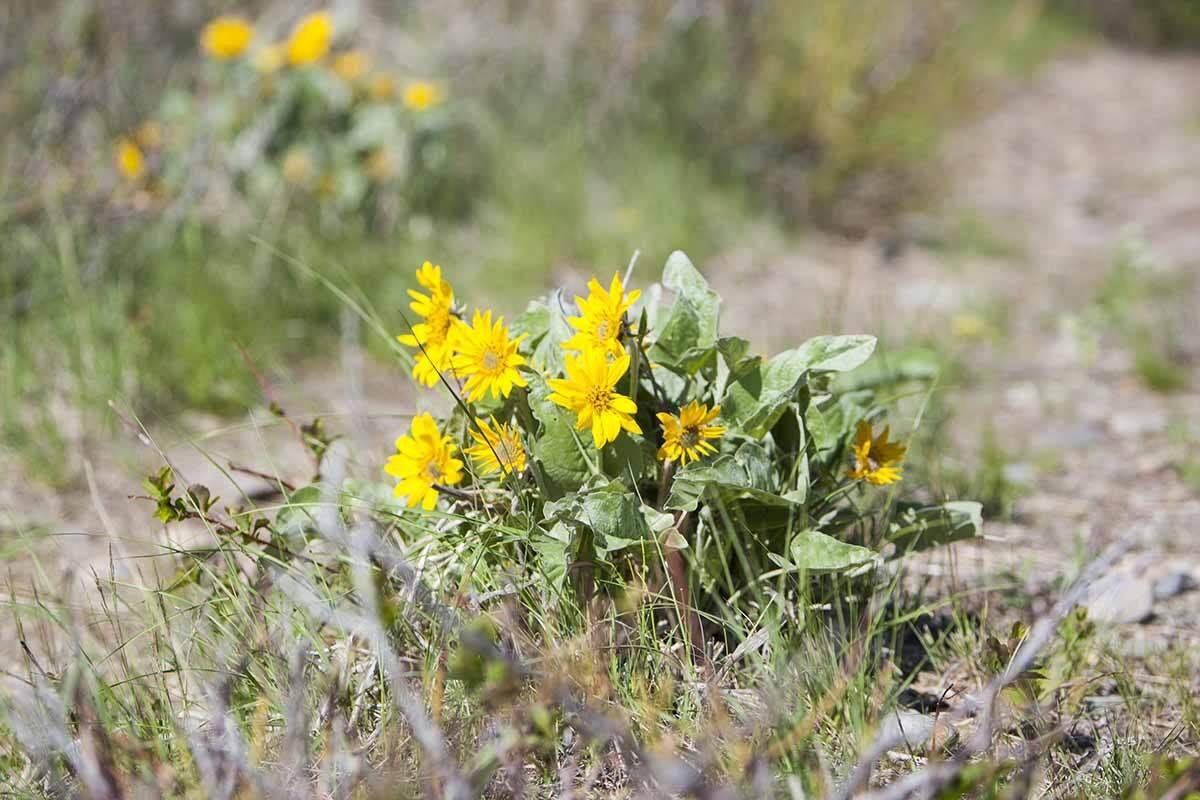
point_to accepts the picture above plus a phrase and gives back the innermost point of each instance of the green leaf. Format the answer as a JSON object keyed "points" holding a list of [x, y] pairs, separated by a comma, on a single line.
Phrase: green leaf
{"points": [[687, 488], [920, 528], [546, 328], [891, 368], [375, 126], [757, 463], [568, 457], [562, 456], [755, 401], [687, 339], [835, 353], [627, 459], [613, 514], [829, 424], [724, 480], [615, 517], [534, 322], [735, 360], [552, 558], [663, 527], [295, 519], [813, 551], [734, 350]]}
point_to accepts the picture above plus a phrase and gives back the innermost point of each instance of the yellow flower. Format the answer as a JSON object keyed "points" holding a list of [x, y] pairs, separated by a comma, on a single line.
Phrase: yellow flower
{"points": [[350, 66], [497, 448], [310, 39], [270, 58], [421, 95], [130, 161], [297, 165], [875, 458], [602, 311], [589, 391], [431, 335], [226, 37], [486, 356], [382, 164], [968, 326], [424, 458], [381, 87], [148, 134], [685, 438]]}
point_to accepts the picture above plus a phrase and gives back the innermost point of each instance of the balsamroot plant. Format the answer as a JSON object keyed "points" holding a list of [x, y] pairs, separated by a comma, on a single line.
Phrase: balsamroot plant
{"points": [[306, 119], [592, 442]]}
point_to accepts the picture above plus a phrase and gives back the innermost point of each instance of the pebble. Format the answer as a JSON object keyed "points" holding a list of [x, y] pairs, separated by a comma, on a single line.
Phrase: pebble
{"points": [[1121, 598], [1173, 583], [916, 728], [1070, 436], [1137, 423]]}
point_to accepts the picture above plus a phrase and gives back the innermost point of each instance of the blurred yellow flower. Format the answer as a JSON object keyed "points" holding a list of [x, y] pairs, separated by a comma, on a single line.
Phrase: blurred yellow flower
{"points": [[310, 39], [424, 460], [382, 164], [486, 356], [381, 87], [431, 334], [327, 186], [421, 95], [968, 326], [270, 58], [686, 437], [497, 448], [875, 458], [149, 134], [589, 390], [297, 165], [602, 311], [350, 65], [131, 163], [226, 37]]}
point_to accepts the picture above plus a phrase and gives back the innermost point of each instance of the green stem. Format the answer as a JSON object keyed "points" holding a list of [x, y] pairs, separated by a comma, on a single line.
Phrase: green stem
{"points": [[525, 415]]}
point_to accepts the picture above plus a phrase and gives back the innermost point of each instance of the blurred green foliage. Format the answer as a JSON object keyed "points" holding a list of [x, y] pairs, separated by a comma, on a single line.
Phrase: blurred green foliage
{"points": [[594, 131], [1152, 23]]}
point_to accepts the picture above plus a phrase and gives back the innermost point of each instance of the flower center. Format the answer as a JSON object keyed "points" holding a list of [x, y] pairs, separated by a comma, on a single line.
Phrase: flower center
{"points": [[599, 398], [607, 329], [689, 438], [507, 452], [433, 471], [491, 360]]}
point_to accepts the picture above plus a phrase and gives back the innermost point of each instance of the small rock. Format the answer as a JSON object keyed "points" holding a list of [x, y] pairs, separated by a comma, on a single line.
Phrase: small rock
{"points": [[1143, 646], [1134, 423], [1175, 582], [1103, 701], [925, 702], [1071, 436], [916, 728], [1121, 598], [1078, 742]]}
